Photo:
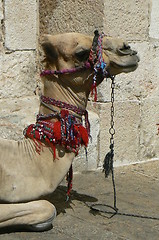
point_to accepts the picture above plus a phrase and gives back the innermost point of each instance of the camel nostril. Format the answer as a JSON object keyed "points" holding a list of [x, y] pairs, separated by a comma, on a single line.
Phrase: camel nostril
{"points": [[125, 47], [133, 53]]}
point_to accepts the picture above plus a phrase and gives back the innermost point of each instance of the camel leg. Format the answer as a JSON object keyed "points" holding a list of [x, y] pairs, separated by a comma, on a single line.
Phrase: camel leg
{"points": [[35, 215]]}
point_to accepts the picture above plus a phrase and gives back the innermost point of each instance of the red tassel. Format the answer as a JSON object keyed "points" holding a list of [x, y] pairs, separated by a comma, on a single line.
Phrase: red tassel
{"points": [[57, 130], [69, 180], [28, 134], [84, 135], [94, 91], [54, 150], [87, 123]]}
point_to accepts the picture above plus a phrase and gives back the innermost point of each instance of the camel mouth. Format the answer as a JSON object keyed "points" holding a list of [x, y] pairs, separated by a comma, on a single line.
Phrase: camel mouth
{"points": [[127, 62], [125, 66], [117, 67]]}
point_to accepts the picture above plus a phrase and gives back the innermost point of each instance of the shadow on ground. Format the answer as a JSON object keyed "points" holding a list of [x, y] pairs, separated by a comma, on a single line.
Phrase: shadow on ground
{"points": [[58, 198]]}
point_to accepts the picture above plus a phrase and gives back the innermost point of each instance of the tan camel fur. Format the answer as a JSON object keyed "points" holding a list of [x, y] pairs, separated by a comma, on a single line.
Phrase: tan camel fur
{"points": [[26, 176]]}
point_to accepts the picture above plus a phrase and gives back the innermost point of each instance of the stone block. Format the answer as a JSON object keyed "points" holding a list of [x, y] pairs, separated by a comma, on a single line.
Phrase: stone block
{"points": [[20, 24], [139, 84], [17, 71], [1, 10], [16, 114], [154, 20], [68, 16], [149, 140], [80, 162], [1, 26], [127, 19], [127, 123]]}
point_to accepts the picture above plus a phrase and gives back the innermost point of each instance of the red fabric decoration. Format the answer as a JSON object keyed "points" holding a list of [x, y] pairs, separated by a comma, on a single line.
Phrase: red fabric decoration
{"points": [[69, 179], [57, 130], [94, 91], [84, 135], [52, 133]]}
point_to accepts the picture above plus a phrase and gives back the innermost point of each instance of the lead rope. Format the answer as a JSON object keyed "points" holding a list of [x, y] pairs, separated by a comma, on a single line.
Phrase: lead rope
{"points": [[108, 161], [108, 167], [109, 158]]}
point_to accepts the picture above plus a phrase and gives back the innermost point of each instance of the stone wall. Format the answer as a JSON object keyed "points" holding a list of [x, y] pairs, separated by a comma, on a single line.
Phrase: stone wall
{"points": [[136, 94], [18, 67]]}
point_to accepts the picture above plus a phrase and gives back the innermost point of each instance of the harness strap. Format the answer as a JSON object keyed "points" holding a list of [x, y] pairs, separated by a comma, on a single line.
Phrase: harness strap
{"points": [[63, 105]]}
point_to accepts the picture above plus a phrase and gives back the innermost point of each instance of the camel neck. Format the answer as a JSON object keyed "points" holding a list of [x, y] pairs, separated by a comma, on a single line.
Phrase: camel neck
{"points": [[60, 91]]}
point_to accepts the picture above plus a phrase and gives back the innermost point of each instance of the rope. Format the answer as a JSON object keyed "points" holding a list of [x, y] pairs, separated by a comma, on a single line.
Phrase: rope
{"points": [[96, 207]]}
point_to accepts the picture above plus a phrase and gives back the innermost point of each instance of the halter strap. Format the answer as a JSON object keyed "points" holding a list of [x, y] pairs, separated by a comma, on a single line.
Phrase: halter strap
{"points": [[62, 105], [94, 62], [87, 65]]}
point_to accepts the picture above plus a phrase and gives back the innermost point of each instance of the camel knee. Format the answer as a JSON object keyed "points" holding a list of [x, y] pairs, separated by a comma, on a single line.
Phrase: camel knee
{"points": [[47, 209], [45, 213], [43, 210]]}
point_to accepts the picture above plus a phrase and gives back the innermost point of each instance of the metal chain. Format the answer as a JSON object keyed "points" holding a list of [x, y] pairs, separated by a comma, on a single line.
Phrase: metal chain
{"points": [[108, 161], [112, 133], [112, 129], [100, 207]]}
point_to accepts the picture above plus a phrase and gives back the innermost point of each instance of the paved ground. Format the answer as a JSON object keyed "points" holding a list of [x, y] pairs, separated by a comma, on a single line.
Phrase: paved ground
{"points": [[137, 193]]}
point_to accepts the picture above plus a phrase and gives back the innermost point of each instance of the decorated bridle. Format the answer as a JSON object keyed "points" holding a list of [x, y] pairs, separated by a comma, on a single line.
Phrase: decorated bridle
{"points": [[94, 62]]}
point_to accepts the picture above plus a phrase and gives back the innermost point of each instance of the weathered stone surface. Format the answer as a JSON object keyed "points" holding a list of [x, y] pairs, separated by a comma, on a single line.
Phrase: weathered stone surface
{"points": [[80, 162], [127, 19], [1, 26], [15, 115], [154, 23], [149, 140], [127, 123], [20, 24], [69, 15], [17, 71], [1, 10]]}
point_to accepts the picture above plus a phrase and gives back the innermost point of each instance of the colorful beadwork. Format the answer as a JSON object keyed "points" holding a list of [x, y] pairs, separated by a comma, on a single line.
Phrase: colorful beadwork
{"points": [[66, 132]]}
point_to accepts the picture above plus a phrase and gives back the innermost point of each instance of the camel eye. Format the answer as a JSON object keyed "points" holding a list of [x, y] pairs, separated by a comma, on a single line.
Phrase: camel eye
{"points": [[82, 55]]}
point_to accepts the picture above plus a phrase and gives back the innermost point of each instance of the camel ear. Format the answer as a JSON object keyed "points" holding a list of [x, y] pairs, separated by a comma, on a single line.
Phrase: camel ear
{"points": [[49, 50]]}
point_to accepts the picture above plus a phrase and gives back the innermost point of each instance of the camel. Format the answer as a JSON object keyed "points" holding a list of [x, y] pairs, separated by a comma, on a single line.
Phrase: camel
{"points": [[30, 169]]}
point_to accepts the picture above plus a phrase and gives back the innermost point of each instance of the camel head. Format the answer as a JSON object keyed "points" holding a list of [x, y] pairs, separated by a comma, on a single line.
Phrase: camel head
{"points": [[72, 50], [68, 50]]}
